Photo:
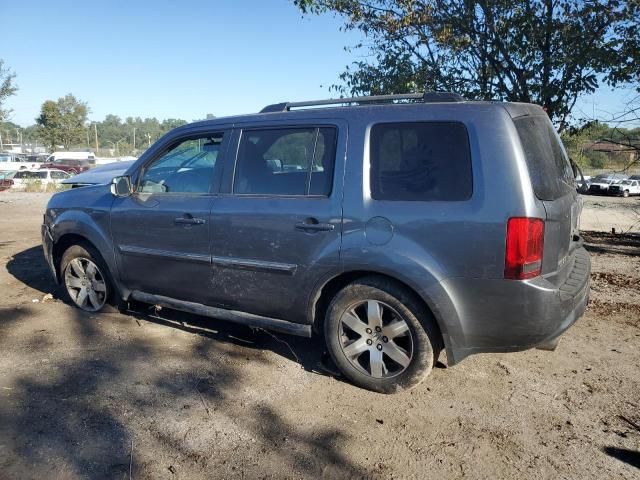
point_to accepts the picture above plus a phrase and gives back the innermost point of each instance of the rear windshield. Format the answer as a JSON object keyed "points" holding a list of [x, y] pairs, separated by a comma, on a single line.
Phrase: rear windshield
{"points": [[549, 168]]}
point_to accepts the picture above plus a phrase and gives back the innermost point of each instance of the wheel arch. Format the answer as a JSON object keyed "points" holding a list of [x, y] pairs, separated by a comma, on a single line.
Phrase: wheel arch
{"points": [[324, 294], [68, 239]]}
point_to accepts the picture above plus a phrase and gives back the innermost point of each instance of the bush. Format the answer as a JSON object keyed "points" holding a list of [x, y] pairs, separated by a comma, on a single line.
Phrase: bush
{"points": [[597, 159]]}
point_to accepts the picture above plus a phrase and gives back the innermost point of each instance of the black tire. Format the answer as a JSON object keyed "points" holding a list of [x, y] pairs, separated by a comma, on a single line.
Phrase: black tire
{"points": [[85, 252], [397, 303]]}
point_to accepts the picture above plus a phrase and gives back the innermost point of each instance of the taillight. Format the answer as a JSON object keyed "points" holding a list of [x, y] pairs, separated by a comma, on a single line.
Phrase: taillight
{"points": [[525, 241]]}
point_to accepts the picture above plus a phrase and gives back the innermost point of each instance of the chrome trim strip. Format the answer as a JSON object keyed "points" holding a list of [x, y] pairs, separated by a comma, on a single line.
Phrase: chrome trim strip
{"points": [[255, 265], [152, 252]]}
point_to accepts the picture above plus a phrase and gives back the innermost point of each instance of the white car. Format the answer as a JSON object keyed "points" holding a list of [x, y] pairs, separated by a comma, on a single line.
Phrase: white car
{"points": [[601, 183], [12, 161], [42, 179], [625, 188]]}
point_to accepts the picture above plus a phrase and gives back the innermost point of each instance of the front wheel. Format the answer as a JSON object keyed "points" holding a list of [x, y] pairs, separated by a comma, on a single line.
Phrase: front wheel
{"points": [[625, 193], [381, 336], [84, 277]]}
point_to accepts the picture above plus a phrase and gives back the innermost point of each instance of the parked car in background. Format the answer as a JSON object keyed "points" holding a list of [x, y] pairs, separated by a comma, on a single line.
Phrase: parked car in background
{"points": [[42, 179], [6, 181], [583, 183], [625, 188], [69, 165], [397, 230], [600, 184], [90, 156], [14, 161]]}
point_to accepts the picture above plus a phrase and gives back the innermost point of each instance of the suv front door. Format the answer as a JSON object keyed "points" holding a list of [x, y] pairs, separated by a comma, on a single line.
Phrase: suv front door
{"points": [[161, 232], [276, 234]]}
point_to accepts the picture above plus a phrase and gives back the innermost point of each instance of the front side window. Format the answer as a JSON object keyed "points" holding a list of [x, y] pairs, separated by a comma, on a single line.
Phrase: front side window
{"points": [[286, 161], [420, 161], [191, 166]]}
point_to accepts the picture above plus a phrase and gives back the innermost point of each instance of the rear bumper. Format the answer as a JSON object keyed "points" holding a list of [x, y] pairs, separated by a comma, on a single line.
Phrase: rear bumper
{"points": [[508, 316]]}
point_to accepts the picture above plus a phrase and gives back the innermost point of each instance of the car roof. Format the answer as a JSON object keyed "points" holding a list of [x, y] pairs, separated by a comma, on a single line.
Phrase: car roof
{"points": [[367, 106]]}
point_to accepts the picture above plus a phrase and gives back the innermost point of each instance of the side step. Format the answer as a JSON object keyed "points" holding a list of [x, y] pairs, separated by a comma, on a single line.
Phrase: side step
{"points": [[243, 318]]}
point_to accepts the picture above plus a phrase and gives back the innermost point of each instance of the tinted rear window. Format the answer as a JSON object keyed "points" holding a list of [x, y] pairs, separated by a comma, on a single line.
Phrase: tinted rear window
{"points": [[549, 168], [420, 161]]}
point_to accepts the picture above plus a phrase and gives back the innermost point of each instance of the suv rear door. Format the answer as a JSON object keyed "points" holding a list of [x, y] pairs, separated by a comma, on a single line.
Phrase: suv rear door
{"points": [[554, 184], [277, 231]]}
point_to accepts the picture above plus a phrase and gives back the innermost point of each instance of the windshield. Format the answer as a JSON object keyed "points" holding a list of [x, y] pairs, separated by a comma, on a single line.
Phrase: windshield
{"points": [[5, 158]]}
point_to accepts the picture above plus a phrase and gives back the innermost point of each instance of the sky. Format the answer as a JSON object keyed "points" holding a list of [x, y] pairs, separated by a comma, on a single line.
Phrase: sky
{"points": [[181, 59]]}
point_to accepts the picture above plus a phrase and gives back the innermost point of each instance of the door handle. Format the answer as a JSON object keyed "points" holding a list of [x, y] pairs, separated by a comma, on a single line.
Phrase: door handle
{"points": [[315, 227], [189, 220]]}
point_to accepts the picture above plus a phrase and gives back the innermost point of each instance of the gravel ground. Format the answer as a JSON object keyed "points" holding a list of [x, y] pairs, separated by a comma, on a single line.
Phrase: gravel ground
{"points": [[159, 394]]}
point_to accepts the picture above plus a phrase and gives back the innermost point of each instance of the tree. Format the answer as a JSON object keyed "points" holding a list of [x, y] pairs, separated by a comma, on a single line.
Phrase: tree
{"points": [[63, 122], [7, 89], [548, 52], [49, 123]]}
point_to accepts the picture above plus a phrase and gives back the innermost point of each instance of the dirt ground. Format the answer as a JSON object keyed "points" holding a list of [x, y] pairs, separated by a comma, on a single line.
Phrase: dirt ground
{"points": [[168, 395]]}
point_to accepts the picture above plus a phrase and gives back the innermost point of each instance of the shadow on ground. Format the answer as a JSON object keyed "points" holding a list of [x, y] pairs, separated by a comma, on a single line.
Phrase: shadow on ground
{"points": [[617, 243], [627, 456], [84, 407]]}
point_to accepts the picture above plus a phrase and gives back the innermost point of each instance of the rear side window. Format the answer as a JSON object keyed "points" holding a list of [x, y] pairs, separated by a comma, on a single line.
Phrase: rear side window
{"points": [[421, 161], [549, 168], [286, 161]]}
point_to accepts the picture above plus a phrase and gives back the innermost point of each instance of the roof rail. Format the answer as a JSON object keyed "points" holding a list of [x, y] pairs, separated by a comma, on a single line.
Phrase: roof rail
{"points": [[426, 97]]}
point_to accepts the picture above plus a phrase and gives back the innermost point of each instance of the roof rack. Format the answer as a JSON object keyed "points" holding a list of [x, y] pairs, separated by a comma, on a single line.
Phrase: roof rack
{"points": [[426, 97]]}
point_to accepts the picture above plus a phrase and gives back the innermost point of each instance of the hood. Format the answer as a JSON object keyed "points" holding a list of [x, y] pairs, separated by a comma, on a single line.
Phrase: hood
{"points": [[100, 175]]}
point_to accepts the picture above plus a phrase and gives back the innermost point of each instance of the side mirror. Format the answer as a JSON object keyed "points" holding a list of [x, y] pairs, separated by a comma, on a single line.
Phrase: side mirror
{"points": [[121, 186]]}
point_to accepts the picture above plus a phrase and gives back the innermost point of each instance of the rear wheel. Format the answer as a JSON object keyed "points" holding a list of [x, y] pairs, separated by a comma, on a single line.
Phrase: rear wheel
{"points": [[380, 336], [85, 278]]}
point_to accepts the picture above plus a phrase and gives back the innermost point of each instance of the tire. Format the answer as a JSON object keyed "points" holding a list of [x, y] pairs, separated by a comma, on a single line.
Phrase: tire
{"points": [[86, 278], [414, 345], [625, 193]]}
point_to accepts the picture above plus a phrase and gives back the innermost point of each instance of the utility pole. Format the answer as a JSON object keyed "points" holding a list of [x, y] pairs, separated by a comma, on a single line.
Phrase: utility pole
{"points": [[149, 139], [95, 129]]}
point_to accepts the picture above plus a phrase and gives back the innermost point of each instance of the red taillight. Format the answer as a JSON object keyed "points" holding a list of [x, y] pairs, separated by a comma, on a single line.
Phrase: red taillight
{"points": [[525, 240]]}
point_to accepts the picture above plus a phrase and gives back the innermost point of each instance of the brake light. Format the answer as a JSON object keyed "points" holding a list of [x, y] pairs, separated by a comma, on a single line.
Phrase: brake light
{"points": [[525, 241]]}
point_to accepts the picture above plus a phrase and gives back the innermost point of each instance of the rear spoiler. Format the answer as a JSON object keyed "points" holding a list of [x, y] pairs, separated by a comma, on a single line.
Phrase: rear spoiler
{"points": [[523, 109]]}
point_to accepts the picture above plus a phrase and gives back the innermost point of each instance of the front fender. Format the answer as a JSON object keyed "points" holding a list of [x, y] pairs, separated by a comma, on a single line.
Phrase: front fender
{"points": [[91, 221]]}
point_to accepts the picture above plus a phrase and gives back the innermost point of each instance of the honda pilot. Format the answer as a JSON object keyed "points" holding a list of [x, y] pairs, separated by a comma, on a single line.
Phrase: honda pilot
{"points": [[395, 227]]}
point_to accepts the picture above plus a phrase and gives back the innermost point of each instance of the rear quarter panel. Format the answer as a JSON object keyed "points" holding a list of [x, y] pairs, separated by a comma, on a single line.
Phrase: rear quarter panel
{"points": [[431, 242]]}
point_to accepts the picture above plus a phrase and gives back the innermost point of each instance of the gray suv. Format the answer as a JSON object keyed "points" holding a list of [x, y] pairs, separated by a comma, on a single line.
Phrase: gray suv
{"points": [[395, 226]]}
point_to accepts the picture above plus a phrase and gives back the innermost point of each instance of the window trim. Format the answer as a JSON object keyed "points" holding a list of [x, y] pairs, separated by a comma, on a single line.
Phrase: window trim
{"points": [[369, 148], [298, 126], [193, 135]]}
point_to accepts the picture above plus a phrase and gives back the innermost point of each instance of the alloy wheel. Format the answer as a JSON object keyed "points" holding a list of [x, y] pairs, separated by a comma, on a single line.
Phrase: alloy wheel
{"points": [[376, 339], [86, 284]]}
